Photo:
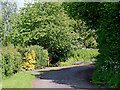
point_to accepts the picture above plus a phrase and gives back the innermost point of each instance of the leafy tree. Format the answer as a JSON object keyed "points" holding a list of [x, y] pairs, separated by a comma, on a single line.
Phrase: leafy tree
{"points": [[44, 24], [86, 37], [104, 18], [8, 8]]}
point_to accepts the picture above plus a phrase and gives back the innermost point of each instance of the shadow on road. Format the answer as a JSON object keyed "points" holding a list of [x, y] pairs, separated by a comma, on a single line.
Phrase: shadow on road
{"points": [[75, 77]]}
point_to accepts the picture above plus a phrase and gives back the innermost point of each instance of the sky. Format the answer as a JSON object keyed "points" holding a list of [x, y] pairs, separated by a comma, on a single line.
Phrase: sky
{"points": [[20, 3]]}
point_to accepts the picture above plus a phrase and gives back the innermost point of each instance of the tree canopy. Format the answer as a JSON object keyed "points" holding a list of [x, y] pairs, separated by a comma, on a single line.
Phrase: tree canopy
{"points": [[44, 24], [8, 8], [104, 18]]}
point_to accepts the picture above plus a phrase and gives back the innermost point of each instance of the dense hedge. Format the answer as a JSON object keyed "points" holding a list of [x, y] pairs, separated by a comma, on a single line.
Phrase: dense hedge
{"points": [[41, 56], [11, 60], [103, 17], [16, 59]]}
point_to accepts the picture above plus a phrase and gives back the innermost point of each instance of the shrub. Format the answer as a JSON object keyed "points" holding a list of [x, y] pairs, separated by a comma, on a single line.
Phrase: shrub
{"points": [[41, 56], [11, 60], [108, 73], [28, 61], [81, 55], [109, 77], [21, 50]]}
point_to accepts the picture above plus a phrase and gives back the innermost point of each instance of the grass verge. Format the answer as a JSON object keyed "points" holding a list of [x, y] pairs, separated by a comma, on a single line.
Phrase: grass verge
{"points": [[19, 80]]}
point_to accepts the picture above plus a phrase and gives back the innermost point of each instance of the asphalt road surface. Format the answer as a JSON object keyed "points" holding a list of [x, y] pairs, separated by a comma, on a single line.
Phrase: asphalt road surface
{"points": [[66, 77]]}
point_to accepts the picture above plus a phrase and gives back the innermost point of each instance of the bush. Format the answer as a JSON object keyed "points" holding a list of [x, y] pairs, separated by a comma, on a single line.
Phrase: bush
{"points": [[107, 77], [83, 54], [21, 50], [11, 60], [107, 72], [80, 55], [41, 56], [28, 61]]}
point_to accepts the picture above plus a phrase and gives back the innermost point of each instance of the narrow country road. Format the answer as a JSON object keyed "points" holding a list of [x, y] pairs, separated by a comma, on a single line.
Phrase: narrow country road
{"points": [[66, 77]]}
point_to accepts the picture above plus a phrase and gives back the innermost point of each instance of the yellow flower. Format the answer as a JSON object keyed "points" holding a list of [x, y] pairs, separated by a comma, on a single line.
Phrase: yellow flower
{"points": [[26, 64], [33, 61], [26, 54], [29, 54], [33, 54], [30, 61], [22, 69], [29, 57], [28, 70], [29, 66]]}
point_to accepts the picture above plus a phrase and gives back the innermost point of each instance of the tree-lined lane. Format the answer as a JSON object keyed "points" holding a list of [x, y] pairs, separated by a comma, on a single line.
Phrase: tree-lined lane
{"points": [[67, 77]]}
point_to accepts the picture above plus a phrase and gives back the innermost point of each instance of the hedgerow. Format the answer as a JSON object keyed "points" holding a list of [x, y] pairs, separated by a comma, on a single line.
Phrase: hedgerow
{"points": [[15, 59], [104, 18], [41, 57], [11, 60]]}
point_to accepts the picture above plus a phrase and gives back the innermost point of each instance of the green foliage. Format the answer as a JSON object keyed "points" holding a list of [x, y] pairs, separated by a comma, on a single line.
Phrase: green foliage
{"points": [[84, 11], [85, 54], [109, 77], [44, 24], [7, 8], [85, 37], [19, 58], [41, 56], [103, 17], [11, 60], [21, 50], [81, 55], [28, 60]]}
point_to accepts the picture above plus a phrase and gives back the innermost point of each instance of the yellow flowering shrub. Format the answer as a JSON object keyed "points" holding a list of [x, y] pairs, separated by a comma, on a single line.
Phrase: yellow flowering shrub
{"points": [[28, 61]]}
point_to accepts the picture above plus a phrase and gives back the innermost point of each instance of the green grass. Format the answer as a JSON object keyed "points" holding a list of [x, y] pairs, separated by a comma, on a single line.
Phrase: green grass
{"points": [[19, 80]]}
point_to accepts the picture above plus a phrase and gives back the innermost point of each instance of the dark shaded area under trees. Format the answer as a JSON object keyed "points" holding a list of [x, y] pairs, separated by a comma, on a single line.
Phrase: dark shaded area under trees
{"points": [[104, 18]]}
